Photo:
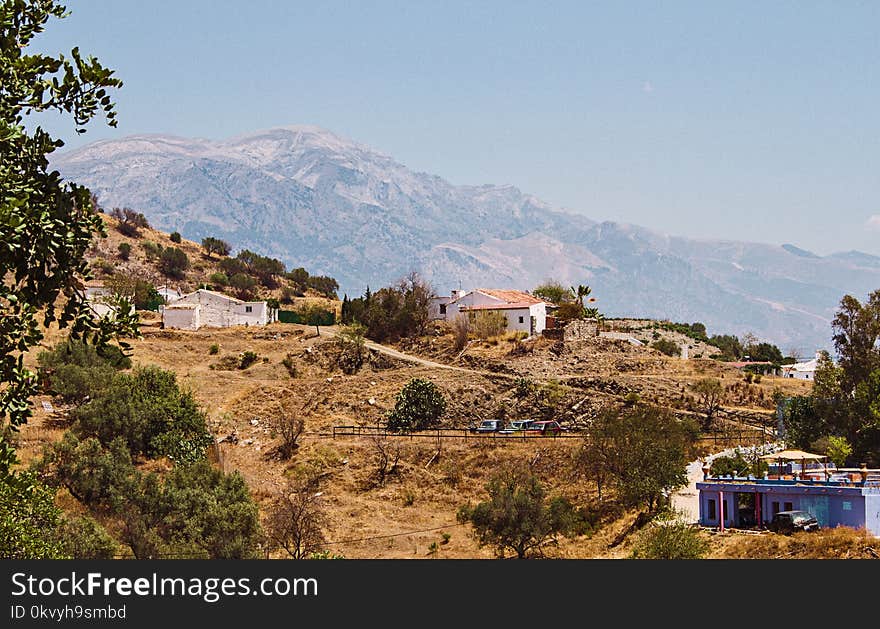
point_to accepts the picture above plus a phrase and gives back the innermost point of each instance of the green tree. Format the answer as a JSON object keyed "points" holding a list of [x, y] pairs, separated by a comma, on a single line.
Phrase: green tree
{"points": [[75, 371], [243, 285], [553, 291], [149, 411], [175, 237], [730, 346], [213, 245], [141, 292], [46, 224], [174, 262], [218, 279], [28, 519], [419, 405], [129, 222], [352, 348], [518, 517], [124, 250]]}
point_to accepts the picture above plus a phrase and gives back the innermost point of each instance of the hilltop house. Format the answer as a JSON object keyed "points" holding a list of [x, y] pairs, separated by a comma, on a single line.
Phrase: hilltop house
{"points": [[802, 371], [216, 310], [523, 311]]}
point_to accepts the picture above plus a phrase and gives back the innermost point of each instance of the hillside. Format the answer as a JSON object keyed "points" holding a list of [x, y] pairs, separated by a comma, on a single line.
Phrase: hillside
{"points": [[418, 502], [311, 198], [106, 261]]}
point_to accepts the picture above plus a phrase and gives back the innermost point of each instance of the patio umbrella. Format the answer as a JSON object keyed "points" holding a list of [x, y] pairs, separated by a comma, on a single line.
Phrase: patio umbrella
{"points": [[795, 455]]}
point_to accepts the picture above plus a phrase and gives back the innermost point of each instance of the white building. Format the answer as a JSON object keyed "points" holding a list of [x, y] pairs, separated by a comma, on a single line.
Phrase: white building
{"points": [[215, 310], [802, 371], [98, 298], [170, 295], [523, 311]]}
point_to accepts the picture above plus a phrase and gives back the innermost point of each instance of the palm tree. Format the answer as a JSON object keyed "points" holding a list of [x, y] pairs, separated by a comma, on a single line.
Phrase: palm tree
{"points": [[580, 293]]}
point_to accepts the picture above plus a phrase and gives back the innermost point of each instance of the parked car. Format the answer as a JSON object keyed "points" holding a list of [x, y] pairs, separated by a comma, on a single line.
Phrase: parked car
{"points": [[488, 425], [790, 521], [548, 427], [517, 426]]}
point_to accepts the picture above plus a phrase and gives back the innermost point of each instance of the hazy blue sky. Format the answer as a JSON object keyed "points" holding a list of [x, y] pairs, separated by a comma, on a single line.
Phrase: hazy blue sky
{"points": [[746, 120]]}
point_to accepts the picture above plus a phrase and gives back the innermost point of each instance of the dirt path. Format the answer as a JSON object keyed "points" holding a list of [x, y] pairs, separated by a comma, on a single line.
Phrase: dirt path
{"points": [[393, 353]]}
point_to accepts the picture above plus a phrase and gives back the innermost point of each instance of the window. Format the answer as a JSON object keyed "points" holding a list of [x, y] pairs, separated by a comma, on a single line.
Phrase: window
{"points": [[248, 308], [443, 309], [789, 506], [521, 320], [775, 506], [847, 506], [711, 505]]}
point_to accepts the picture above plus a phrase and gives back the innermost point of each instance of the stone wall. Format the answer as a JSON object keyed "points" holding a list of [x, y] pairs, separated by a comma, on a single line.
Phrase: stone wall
{"points": [[581, 329]]}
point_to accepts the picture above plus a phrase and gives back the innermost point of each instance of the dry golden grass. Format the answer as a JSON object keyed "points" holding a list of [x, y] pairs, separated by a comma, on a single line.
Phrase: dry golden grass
{"points": [[834, 543]]}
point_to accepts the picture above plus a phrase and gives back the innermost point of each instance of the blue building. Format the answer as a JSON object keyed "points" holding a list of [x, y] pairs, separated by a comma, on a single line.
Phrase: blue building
{"points": [[845, 498]]}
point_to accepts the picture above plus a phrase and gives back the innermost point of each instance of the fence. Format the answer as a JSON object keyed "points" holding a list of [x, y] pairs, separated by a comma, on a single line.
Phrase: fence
{"points": [[289, 316], [446, 433]]}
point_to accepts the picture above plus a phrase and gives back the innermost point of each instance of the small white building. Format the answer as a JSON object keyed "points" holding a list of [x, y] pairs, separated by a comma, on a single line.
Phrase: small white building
{"points": [[802, 371], [98, 298], [215, 310], [170, 295], [523, 311]]}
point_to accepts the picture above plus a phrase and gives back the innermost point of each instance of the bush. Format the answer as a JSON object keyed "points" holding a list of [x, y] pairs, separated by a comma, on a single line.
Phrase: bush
{"points": [[420, 404], [489, 323], [174, 262], [461, 328], [152, 250], [83, 538], [668, 347], [518, 517], [670, 540], [214, 349], [141, 292], [149, 411], [289, 428], [290, 365], [175, 237], [243, 285], [76, 371], [130, 222], [215, 245], [124, 250], [247, 358], [352, 350], [104, 267], [218, 279], [28, 518]]}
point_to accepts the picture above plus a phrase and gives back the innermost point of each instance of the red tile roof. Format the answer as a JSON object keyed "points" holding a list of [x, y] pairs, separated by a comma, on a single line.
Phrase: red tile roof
{"points": [[510, 296], [519, 306]]}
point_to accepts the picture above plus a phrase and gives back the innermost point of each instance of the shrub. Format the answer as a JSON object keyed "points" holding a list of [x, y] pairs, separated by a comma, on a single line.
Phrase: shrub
{"points": [[290, 365], [419, 405], [130, 222], [352, 350], [152, 250], [149, 411], [28, 518], [174, 262], [247, 358], [214, 349], [215, 245], [141, 292], [668, 347], [289, 428], [489, 323], [124, 250], [518, 517], [243, 285], [218, 279], [104, 267], [670, 540], [83, 538], [76, 371], [175, 237]]}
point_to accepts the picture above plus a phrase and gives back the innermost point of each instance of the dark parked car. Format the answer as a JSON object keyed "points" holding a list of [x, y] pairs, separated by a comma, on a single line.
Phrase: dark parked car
{"points": [[790, 521], [517, 426]]}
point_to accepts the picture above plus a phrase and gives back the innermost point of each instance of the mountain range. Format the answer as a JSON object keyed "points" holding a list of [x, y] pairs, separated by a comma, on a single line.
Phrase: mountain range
{"points": [[313, 199]]}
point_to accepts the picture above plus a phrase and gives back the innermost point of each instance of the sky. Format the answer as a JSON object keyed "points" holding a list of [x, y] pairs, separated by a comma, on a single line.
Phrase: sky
{"points": [[750, 121]]}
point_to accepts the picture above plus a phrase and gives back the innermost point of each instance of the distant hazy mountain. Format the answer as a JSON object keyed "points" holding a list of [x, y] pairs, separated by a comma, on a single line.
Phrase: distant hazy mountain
{"points": [[313, 199]]}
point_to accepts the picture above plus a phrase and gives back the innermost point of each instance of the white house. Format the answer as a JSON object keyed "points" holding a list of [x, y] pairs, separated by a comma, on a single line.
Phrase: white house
{"points": [[802, 371], [97, 297], [170, 295], [216, 310], [523, 311]]}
